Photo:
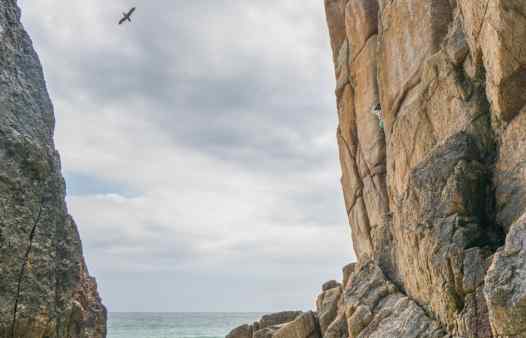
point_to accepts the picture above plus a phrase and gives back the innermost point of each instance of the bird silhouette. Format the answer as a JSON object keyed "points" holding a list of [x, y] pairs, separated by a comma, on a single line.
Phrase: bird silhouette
{"points": [[126, 16]]}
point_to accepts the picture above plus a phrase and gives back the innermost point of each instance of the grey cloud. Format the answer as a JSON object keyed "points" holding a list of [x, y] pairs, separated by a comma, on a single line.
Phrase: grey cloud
{"points": [[194, 101], [246, 84]]}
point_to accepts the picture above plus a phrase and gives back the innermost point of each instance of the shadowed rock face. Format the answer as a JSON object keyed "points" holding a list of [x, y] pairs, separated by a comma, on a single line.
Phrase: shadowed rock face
{"points": [[45, 288]]}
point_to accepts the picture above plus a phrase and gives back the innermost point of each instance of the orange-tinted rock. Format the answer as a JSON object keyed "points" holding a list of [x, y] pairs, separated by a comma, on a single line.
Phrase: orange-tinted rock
{"points": [[410, 32], [361, 23], [305, 326], [431, 196]]}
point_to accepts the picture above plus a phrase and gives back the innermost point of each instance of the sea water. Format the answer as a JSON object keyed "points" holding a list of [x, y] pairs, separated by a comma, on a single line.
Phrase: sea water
{"points": [[176, 325]]}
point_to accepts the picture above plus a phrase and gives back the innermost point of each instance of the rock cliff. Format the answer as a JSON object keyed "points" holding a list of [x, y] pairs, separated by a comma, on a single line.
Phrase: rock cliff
{"points": [[431, 100], [45, 288]]}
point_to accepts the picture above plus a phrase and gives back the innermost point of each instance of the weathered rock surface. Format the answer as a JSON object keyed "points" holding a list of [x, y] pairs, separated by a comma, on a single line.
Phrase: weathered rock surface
{"points": [[433, 195], [374, 307], [277, 318], [300, 326], [243, 331], [505, 286], [45, 288], [435, 182], [327, 304], [304, 326]]}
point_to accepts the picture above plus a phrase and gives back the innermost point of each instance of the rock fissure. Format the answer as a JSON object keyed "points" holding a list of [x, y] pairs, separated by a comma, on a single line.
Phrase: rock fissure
{"points": [[411, 83], [23, 267], [362, 48], [359, 189]]}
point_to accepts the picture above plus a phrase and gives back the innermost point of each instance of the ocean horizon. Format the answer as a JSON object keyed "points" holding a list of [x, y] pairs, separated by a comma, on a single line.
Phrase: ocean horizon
{"points": [[176, 324]]}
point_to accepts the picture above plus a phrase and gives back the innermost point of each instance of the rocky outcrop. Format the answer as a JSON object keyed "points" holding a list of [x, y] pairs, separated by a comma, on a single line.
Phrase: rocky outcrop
{"points": [[45, 288], [374, 307], [281, 324], [431, 101], [304, 326], [505, 286], [327, 304], [433, 195]]}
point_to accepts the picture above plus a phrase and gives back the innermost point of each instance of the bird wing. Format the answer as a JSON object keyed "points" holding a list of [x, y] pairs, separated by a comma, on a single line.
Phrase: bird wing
{"points": [[131, 11], [122, 20]]}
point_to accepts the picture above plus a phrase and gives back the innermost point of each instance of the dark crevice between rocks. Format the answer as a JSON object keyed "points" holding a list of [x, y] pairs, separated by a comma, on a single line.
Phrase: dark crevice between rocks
{"points": [[491, 234], [24, 267]]}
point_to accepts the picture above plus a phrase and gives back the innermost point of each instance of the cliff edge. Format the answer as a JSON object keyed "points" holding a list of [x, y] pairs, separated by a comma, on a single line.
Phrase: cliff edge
{"points": [[45, 288], [431, 99]]}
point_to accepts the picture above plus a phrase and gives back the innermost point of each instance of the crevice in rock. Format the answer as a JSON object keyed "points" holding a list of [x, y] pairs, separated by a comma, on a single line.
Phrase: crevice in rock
{"points": [[412, 82], [362, 48], [492, 234], [359, 189], [23, 268]]}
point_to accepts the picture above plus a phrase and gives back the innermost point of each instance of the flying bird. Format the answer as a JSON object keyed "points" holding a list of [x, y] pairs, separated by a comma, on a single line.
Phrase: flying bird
{"points": [[127, 16]]}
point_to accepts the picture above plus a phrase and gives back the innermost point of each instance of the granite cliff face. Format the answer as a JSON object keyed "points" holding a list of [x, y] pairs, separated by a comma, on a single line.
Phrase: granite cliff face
{"points": [[45, 289], [435, 189]]}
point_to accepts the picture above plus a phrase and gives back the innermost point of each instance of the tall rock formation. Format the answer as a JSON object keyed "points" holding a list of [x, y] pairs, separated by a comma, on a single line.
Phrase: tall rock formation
{"points": [[431, 100], [434, 195], [45, 289]]}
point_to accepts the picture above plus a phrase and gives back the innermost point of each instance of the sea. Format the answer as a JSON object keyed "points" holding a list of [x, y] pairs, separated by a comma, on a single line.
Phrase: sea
{"points": [[176, 325]]}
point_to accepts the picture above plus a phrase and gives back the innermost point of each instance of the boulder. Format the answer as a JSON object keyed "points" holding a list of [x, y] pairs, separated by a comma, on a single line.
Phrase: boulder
{"points": [[327, 306], [243, 331], [278, 318], [330, 285], [305, 326]]}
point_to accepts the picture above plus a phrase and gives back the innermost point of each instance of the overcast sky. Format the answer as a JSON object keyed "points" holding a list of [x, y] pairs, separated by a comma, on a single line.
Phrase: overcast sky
{"points": [[198, 146]]}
